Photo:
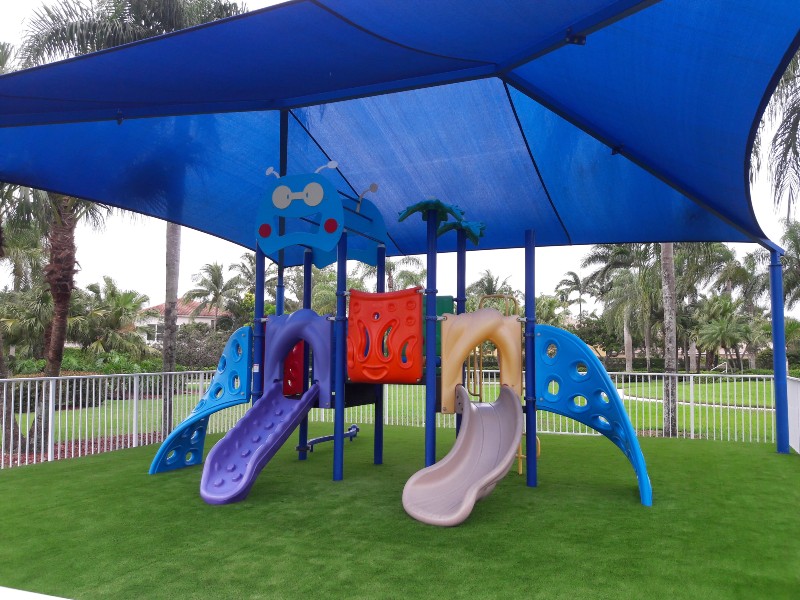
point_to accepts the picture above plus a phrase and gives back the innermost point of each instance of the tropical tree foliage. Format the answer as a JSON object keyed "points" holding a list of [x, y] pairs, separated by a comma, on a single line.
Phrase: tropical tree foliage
{"points": [[72, 27], [489, 284], [574, 284], [212, 290], [550, 310], [401, 273], [642, 294], [783, 113], [724, 326], [111, 322]]}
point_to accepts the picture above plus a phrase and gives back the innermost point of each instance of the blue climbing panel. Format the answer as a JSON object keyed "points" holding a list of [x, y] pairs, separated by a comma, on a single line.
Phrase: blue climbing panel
{"points": [[229, 386], [571, 381]]}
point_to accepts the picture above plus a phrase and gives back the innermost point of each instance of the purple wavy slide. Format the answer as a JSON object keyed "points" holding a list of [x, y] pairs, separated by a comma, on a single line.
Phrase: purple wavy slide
{"points": [[234, 463]]}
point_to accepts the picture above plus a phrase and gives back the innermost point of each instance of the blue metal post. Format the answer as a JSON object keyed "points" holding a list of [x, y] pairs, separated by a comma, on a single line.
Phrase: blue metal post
{"points": [[282, 168], [341, 345], [279, 287], [303, 430], [258, 329], [461, 290], [430, 343], [779, 353], [380, 287], [530, 368]]}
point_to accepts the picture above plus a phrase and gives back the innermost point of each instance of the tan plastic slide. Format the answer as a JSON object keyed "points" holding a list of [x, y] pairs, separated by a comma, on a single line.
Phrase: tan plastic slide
{"points": [[444, 494]]}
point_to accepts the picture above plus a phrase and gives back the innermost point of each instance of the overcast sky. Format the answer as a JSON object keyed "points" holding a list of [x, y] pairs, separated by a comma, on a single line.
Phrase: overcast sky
{"points": [[132, 251]]}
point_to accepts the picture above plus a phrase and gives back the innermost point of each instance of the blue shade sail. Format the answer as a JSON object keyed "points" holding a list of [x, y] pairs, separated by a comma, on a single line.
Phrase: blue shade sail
{"points": [[592, 121]]}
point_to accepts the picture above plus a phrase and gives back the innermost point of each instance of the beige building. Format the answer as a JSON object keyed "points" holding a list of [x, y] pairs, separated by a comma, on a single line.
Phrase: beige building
{"points": [[155, 323]]}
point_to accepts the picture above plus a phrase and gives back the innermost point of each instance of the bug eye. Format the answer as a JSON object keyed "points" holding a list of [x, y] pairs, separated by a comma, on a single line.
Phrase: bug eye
{"points": [[312, 194], [282, 197]]}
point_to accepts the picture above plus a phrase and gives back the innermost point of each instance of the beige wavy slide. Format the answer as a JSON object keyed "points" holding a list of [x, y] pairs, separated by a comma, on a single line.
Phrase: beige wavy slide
{"points": [[444, 493]]}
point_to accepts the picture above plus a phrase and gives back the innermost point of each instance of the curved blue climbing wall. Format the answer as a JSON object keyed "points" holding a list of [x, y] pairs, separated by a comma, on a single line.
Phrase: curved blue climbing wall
{"points": [[571, 381], [229, 386]]}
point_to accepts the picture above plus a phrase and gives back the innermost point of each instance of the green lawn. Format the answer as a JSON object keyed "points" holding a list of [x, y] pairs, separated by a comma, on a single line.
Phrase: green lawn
{"points": [[115, 417], [724, 524], [406, 406], [704, 390]]}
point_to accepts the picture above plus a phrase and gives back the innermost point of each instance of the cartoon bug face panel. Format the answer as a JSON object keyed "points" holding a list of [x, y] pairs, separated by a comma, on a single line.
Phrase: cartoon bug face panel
{"points": [[312, 211]]}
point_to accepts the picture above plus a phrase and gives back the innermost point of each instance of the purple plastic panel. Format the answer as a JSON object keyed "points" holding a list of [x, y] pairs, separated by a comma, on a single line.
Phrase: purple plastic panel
{"points": [[281, 335], [233, 465]]}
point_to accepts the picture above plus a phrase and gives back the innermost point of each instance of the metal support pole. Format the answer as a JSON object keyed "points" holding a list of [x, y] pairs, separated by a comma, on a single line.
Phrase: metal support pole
{"points": [[430, 343], [282, 167], [135, 424], [341, 347], [461, 292], [380, 287], [530, 354], [303, 429], [258, 329], [779, 353], [280, 288], [51, 415]]}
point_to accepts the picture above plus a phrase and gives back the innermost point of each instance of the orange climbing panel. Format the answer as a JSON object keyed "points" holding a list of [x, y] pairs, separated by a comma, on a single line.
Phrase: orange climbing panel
{"points": [[293, 371], [384, 337]]}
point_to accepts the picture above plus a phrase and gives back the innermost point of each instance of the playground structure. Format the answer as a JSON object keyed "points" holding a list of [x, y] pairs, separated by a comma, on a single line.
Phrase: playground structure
{"points": [[387, 337], [593, 106]]}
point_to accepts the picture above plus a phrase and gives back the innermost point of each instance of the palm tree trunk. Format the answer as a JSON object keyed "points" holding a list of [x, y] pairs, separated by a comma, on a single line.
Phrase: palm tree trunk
{"points": [[60, 277], [628, 340], [693, 356], [10, 427], [8, 403], [648, 342], [173, 257], [389, 276], [670, 340]]}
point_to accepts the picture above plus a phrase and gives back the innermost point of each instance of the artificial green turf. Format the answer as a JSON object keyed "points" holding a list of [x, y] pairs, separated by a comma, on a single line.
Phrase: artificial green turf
{"points": [[725, 524]]}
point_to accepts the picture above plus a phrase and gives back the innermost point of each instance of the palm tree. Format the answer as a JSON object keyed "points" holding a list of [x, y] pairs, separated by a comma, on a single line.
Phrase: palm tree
{"points": [[70, 28], [791, 263], [111, 320], [26, 317], [620, 311], [6, 194], [401, 273], [640, 260], [59, 273], [749, 279], [784, 153], [323, 292], [489, 284], [212, 290], [245, 271], [550, 310], [670, 423], [573, 284], [723, 326]]}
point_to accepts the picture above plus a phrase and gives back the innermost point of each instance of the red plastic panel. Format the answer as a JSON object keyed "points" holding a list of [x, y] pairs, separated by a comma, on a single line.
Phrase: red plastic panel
{"points": [[384, 337], [293, 371]]}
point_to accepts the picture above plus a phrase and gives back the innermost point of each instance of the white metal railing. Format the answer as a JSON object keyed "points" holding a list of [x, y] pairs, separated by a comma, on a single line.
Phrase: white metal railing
{"points": [[793, 388], [53, 418]]}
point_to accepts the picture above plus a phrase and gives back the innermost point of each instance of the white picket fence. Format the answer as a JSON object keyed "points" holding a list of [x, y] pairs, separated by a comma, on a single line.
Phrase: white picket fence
{"points": [[91, 414]]}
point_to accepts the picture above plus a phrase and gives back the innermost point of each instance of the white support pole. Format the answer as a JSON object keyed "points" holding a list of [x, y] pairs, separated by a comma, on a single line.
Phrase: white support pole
{"points": [[691, 406], [135, 427], [51, 414]]}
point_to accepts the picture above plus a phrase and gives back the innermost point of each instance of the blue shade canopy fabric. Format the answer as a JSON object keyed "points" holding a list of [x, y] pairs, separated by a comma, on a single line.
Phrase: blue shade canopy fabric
{"points": [[589, 121]]}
